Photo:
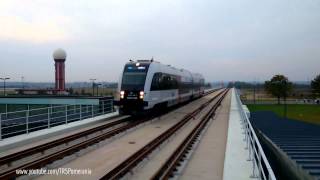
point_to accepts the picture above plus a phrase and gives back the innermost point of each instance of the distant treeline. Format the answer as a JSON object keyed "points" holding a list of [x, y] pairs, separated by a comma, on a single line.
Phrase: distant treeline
{"points": [[260, 85]]}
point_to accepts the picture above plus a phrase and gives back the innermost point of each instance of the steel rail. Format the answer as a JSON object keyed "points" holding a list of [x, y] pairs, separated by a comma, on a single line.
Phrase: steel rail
{"points": [[168, 168], [30, 151], [49, 158], [127, 165], [10, 172]]}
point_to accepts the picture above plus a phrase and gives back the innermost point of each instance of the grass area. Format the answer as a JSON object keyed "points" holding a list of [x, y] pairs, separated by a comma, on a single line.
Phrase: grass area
{"points": [[303, 112], [262, 95]]}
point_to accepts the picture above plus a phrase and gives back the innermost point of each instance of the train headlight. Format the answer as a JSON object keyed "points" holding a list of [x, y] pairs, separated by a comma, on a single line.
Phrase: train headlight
{"points": [[121, 94], [141, 94]]}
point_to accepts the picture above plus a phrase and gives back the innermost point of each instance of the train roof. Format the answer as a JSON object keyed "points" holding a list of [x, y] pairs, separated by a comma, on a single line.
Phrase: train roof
{"points": [[152, 61]]}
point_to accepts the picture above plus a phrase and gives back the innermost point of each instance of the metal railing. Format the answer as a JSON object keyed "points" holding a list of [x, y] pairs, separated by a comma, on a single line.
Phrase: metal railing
{"points": [[23, 122], [261, 167]]}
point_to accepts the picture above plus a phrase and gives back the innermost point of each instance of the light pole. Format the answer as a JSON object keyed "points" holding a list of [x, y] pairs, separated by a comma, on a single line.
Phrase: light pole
{"points": [[98, 84], [22, 82], [255, 89], [4, 84], [254, 92], [285, 100], [93, 86]]}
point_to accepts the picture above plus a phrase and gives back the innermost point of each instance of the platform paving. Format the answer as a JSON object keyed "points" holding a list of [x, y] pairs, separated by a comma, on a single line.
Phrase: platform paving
{"points": [[161, 155], [207, 161], [236, 164], [108, 156], [220, 154]]}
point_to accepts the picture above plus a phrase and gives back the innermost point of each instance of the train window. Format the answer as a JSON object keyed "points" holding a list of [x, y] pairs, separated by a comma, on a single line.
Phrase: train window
{"points": [[174, 82], [156, 82], [184, 87], [134, 78], [161, 81], [165, 82]]}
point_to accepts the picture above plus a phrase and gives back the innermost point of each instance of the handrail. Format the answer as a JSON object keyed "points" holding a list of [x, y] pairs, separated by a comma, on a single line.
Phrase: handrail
{"points": [[49, 116], [58, 106], [257, 155]]}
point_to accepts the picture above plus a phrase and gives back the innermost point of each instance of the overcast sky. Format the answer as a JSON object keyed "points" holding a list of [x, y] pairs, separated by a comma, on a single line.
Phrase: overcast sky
{"points": [[222, 39]]}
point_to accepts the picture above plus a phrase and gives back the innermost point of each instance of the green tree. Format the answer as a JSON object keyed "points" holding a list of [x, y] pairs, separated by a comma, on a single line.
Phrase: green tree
{"points": [[71, 91], [83, 92], [315, 86], [279, 86]]}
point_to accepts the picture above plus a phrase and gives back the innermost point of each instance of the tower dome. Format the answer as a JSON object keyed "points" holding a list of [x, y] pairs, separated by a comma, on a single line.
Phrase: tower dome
{"points": [[59, 54]]}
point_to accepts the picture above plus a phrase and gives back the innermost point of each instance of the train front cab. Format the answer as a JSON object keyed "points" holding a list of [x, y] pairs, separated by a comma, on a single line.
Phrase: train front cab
{"points": [[132, 88]]}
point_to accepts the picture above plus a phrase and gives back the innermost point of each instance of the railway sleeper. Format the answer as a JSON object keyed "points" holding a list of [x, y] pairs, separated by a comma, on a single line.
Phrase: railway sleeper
{"points": [[179, 167], [163, 138]]}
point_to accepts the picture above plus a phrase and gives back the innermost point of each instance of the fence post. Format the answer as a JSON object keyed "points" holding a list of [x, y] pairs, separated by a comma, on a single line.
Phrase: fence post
{"points": [[91, 110], [48, 117], [112, 108], [27, 119], [80, 112], [103, 106], [66, 109], [254, 168], [250, 146], [259, 166], [6, 111], [0, 126]]}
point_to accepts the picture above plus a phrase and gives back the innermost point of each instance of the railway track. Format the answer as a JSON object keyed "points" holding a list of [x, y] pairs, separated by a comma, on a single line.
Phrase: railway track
{"points": [[30, 151], [10, 172], [131, 162], [38, 162], [171, 165]]}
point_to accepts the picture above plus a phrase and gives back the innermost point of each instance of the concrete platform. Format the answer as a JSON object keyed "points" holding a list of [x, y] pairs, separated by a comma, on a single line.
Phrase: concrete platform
{"points": [[32, 139], [221, 153], [236, 164], [105, 157], [207, 161], [162, 154]]}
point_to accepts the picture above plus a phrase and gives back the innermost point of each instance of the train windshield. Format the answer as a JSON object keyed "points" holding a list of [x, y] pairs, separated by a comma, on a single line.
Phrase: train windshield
{"points": [[134, 77]]}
